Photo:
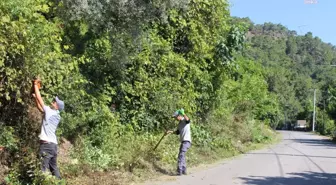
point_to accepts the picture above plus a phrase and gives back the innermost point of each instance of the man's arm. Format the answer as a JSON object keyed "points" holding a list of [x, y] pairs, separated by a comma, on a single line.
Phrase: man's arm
{"points": [[38, 94], [38, 104], [181, 112], [186, 118], [177, 132]]}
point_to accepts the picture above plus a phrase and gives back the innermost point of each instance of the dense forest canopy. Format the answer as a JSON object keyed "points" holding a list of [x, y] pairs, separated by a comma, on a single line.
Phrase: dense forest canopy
{"points": [[295, 65], [123, 67]]}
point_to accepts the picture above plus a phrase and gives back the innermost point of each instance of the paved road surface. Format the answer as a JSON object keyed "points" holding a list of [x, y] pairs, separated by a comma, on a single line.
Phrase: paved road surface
{"points": [[300, 159]]}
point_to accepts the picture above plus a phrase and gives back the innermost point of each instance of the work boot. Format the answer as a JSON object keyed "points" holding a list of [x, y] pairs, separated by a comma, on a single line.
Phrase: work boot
{"points": [[185, 172]]}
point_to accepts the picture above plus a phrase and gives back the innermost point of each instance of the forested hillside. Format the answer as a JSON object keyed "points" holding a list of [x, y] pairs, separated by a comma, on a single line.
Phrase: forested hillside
{"points": [[123, 68], [294, 66]]}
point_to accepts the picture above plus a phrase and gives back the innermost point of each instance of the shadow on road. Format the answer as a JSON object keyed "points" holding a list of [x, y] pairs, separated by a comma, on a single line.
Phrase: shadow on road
{"points": [[162, 170], [305, 178], [314, 142], [294, 155]]}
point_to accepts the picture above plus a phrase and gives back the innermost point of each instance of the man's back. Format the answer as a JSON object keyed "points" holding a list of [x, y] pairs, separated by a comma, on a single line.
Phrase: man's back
{"points": [[50, 122], [184, 129]]}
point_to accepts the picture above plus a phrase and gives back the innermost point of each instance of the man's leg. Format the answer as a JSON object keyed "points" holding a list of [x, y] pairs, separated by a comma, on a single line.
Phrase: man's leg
{"points": [[179, 160], [53, 163], [45, 156], [181, 166], [186, 146]]}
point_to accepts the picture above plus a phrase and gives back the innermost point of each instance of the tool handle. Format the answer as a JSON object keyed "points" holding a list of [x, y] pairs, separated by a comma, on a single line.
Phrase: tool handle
{"points": [[159, 141]]}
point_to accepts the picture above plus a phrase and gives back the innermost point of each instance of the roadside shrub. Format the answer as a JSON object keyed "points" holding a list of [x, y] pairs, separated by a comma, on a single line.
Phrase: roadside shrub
{"points": [[328, 127], [95, 156], [25, 168], [201, 135], [8, 138]]}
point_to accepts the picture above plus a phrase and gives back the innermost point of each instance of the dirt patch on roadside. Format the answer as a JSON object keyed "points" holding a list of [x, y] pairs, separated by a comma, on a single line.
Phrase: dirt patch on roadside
{"points": [[3, 164], [99, 178], [64, 152]]}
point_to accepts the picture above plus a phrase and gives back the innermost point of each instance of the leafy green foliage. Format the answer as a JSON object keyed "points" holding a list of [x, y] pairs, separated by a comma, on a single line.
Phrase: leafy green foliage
{"points": [[122, 69], [7, 138], [294, 65]]}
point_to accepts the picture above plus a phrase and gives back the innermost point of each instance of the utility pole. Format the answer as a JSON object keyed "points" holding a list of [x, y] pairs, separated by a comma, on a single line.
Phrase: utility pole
{"points": [[314, 110], [286, 121], [323, 116]]}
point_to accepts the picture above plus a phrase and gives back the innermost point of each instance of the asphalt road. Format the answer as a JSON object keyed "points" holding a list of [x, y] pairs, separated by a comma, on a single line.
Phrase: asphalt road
{"points": [[299, 159]]}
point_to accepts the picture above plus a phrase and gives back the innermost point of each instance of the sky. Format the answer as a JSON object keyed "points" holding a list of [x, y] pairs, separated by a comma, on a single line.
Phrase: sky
{"points": [[318, 18]]}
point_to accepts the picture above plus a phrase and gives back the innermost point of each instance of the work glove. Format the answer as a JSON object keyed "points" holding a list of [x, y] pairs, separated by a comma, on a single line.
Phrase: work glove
{"points": [[181, 112], [37, 81], [169, 132]]}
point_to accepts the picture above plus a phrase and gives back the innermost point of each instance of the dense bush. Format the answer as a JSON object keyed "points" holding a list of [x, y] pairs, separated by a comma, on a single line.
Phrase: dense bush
{"points": [[123, 68]]}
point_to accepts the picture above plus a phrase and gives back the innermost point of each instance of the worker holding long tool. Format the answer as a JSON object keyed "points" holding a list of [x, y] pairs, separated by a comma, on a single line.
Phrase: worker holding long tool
{"points": [[48, 139], [185, 137]]}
